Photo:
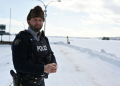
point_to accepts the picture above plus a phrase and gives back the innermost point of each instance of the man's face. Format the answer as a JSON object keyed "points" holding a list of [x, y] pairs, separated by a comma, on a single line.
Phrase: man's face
{"points": [[35, 23]]}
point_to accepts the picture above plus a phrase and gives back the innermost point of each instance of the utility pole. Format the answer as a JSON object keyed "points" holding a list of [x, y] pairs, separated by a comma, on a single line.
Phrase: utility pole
{"points": [[10, 24]]}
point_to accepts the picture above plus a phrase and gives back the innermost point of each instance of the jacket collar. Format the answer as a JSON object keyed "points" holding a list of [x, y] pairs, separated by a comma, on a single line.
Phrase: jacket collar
{"points": [[34, 34]]}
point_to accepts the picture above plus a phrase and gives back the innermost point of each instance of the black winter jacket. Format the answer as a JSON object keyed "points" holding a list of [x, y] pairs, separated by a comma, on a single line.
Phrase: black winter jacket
{"points": [[21, 53]]}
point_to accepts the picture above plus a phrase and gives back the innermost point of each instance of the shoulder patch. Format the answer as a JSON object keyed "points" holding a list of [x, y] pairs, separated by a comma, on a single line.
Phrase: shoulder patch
{"points": [[17, 41]]}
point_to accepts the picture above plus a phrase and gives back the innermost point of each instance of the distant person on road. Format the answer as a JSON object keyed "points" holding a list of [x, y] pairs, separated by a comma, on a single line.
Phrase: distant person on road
{"points": [[33, 58]]}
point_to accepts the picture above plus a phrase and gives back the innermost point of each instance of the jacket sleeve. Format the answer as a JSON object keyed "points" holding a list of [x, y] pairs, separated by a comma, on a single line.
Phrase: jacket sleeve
{"points": [[53, 59], [19, 54]]}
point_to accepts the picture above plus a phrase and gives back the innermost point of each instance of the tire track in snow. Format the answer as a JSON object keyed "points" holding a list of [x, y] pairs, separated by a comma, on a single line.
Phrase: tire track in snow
{"points": [[65, 74]]}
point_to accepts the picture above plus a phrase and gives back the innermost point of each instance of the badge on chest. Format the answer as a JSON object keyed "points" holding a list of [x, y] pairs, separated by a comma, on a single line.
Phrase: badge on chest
{"points": [[41, 48]]}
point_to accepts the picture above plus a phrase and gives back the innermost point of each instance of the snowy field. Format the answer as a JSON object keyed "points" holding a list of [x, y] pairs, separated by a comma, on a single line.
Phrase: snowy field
{"points": [[85, 62]]}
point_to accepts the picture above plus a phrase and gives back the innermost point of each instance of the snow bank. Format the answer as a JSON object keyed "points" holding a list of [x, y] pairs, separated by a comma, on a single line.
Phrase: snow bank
{"points": [[111, 58]]}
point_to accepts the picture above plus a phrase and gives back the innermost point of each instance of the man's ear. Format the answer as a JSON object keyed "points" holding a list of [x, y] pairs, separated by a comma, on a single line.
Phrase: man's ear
{"points": [[28, 21]]}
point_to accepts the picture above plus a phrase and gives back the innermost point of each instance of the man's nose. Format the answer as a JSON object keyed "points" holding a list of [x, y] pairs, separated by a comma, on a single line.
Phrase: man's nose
{"points": [[38, 22]]}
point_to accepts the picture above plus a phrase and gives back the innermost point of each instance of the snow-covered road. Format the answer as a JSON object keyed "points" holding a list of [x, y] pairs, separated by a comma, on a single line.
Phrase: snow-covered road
{"points": [[77, 66]]}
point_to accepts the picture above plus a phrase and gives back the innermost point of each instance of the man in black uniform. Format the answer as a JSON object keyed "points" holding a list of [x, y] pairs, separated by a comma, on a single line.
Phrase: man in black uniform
{"points": [[33, 58]]}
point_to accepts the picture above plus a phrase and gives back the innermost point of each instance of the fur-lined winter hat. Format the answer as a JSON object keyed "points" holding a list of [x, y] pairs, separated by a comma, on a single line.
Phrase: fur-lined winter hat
{"points": [[36, 12]]}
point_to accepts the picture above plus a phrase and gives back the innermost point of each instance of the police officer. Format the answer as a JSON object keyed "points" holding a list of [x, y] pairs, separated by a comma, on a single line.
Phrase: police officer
{"points": [[32, 56]]}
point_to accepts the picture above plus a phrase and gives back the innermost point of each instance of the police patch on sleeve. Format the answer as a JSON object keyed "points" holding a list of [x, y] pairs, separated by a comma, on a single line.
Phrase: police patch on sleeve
{"points": [[17, 41]]}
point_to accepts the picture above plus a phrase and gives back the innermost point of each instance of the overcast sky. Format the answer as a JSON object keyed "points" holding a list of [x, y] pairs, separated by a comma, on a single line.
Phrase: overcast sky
{"points": [[78, 18]]}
